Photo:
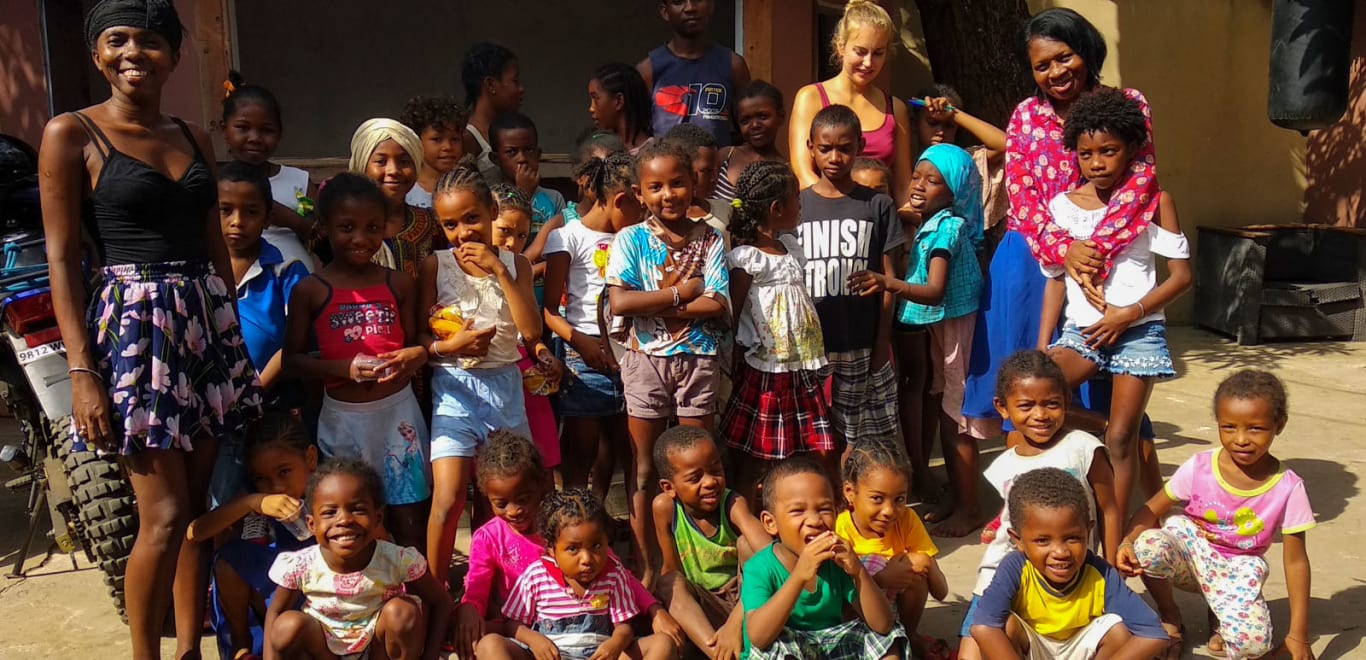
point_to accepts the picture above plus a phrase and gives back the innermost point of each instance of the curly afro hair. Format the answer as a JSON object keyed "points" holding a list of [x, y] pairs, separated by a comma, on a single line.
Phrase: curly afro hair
{"points": [[1106, 110], [423, 112], [1047, 488], [1253, 384]]}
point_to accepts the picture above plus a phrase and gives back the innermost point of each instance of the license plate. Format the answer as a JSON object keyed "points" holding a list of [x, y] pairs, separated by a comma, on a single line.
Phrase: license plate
{"points": [[39, 352]]}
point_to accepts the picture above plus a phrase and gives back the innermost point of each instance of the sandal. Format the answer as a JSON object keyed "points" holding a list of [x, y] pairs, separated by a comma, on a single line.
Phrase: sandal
{"points": [[1177, 635], [1215, 645], [989, 532]]}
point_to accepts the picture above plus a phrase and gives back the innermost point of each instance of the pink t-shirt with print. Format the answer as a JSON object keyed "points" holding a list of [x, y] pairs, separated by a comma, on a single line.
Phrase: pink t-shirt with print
{"points": [[1240, 522]]}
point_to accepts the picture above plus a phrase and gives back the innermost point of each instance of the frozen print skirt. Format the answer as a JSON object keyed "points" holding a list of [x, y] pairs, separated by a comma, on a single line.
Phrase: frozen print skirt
{"points": [[168, 345]]}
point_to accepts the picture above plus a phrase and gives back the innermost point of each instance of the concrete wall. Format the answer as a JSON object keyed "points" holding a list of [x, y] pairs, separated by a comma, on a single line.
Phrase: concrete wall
{"points": [[334, 69]]}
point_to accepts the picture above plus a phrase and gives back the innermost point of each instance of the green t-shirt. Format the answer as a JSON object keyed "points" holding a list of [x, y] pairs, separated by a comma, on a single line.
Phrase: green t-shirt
{"points": [[818, 610]]}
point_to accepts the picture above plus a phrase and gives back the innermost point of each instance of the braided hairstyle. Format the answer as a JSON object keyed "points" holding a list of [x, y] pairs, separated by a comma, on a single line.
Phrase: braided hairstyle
{"points": [[275, 429], [506, 454], [511, 198], [618, 78], [877, 453], [569, 507], [761, 184], [605, 177], [466, 178]]}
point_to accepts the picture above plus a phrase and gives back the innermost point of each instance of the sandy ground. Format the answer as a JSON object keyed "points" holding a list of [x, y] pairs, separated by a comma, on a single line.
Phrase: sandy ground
{"points": [[58, 611]]}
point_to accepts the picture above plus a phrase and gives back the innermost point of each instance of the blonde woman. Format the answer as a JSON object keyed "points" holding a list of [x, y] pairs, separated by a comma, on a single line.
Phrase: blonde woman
{"points": [[862, 44]]}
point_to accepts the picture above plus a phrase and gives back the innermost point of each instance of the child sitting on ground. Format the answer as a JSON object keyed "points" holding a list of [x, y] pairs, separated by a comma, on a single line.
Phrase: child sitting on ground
{"points": [[1054, 598], [1210, 528], [510, 474], [439, 122], [889, 538], [705, 532], [264, 279], [280, 458], [577, 601], [1033, 396], [357, 590], [795, 590]]}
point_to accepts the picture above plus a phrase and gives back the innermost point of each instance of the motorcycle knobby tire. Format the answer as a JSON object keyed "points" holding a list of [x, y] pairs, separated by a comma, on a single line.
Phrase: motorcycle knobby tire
{"points": [[104, 500]]}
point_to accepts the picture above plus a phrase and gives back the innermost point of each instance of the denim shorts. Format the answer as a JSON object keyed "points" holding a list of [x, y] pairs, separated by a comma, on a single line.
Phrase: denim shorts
{"points": [[1141, 351], [585, 392], [468, 404]]}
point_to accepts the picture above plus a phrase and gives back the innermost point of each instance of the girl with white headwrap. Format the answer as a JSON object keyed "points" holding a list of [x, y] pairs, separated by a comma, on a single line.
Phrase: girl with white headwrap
{"points": [[390, 154]]}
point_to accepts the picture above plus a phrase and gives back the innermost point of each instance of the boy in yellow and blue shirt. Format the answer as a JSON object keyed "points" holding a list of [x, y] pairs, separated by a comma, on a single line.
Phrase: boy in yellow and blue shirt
{"points": [[1054, 598]]}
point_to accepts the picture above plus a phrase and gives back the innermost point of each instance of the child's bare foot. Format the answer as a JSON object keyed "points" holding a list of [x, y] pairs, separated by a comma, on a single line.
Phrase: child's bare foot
{"points": [[944, 504], [1215, 645], [961, 523], [928, 490]]}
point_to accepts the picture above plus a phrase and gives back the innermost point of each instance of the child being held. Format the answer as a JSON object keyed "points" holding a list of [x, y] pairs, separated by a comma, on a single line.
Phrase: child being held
{"points": [[439, 122], [889, 538], [795, 590], [279, 458], [1032, 394], [1208, 531], [1119, 329], [577, 601], [705, 531], [510, 474], [1054, 598], [357, 590]]}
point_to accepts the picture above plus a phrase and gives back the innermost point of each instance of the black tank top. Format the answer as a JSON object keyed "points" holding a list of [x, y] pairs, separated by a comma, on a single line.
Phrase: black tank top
{"points": [[140, 215]]}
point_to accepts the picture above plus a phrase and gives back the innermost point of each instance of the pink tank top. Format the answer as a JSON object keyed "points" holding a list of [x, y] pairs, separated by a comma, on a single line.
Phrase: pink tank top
{"points": [[880, 143], [358, 322]]}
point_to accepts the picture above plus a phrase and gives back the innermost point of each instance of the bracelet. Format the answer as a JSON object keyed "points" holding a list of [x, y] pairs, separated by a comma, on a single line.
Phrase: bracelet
{"points": [[83, 370], [1125, 544], [1288, 638], [436, 351], [674, 289], [1142, 311]]}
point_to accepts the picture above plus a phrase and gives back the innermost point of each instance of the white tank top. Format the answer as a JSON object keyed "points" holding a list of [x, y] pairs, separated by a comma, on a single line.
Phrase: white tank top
{"points": [[487, 167], [480, 298]]}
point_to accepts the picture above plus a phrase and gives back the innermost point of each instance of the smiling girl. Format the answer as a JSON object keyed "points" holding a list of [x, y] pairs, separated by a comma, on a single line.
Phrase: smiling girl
{"points": [[390, 154]]}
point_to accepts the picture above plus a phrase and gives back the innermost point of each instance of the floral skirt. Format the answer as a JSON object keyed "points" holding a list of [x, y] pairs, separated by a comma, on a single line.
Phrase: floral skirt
{"points": [[171, 352]]}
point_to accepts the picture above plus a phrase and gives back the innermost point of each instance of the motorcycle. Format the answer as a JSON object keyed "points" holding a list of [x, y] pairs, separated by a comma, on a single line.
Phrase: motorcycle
{"points": [[85, 495]]}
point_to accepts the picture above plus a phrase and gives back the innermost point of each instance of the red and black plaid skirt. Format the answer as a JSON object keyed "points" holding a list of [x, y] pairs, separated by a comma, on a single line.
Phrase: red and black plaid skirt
{"points": [[773, 416]]}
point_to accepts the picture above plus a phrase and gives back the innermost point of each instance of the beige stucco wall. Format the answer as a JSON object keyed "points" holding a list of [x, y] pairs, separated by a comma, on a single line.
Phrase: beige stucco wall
{"points": [[23, 85]]}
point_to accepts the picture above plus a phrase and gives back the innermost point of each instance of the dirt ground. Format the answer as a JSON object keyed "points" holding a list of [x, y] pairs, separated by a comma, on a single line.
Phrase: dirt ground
{"points": [[61, 611]]}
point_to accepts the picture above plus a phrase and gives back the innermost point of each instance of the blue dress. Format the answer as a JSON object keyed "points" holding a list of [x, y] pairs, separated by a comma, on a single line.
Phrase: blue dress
{"points": [[1007, 320]]}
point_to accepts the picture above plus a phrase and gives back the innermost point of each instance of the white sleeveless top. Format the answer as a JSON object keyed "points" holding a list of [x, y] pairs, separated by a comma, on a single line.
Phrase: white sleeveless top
{"points": [[285, 189], [482, 299]]}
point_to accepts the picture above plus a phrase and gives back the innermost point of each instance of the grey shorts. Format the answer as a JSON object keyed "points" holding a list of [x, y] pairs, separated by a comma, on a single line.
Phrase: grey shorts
{"points": [[661, 387]]}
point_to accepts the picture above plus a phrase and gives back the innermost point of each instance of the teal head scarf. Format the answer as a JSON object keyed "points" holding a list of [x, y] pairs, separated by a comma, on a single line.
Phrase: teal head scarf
{"points": [[962, 178]]}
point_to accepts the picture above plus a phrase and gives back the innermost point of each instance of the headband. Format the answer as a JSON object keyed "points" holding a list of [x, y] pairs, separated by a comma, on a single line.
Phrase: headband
{"points": [[158, 16]]}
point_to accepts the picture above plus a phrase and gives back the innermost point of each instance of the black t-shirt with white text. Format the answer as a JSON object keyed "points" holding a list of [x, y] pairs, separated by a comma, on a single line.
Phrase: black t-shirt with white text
{"points": [[841, 236]]}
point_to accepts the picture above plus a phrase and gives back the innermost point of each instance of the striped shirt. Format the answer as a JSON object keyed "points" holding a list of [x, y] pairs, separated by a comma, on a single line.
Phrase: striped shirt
{"points": [[545, 602]]}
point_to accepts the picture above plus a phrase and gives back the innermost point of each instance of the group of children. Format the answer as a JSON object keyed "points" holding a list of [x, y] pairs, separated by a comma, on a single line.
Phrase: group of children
{"points": [[467, 325]]}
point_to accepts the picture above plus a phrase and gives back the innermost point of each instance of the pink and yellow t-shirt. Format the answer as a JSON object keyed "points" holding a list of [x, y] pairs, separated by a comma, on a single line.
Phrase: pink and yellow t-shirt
{"points": [[1240, 522]]}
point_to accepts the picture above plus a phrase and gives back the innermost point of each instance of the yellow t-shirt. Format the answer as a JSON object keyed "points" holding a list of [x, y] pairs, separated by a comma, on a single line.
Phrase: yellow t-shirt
{"points": [[906, 534]]}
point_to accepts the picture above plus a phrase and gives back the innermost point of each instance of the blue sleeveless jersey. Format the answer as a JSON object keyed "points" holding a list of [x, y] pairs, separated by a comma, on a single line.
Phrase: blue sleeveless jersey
{"points": [[692, 91]]}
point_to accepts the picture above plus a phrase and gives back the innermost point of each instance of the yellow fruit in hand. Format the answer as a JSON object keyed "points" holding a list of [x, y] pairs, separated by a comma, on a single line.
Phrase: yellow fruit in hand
{"points": [[444, 329]]}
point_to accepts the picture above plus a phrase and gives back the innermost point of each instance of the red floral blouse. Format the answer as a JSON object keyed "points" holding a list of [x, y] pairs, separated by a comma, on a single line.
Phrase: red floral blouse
{"points": [[1038, 167]]}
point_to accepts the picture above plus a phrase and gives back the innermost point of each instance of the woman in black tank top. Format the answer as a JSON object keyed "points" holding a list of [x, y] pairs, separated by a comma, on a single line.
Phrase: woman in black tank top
{"points": [[154, 350]]}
